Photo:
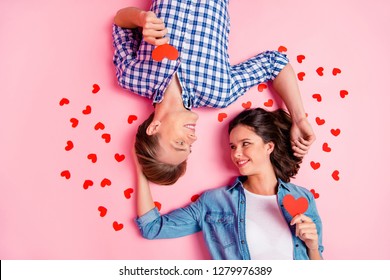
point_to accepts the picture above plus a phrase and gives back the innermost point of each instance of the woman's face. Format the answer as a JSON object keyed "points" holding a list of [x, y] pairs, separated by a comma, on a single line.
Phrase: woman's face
{"points": [[248, 151]]}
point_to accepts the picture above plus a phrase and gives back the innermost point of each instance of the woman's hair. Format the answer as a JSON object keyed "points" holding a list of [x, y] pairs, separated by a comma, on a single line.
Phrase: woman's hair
{"points": [[146, 149], [272, 126]]}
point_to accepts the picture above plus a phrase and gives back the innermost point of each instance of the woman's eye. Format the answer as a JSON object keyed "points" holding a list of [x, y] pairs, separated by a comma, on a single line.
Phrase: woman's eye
{"points": [[232, 147], [245, 144]]}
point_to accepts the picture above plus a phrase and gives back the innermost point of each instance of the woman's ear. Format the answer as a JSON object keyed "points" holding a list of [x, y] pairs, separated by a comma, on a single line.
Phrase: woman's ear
{"points": [[153, 128], [270, 147]]}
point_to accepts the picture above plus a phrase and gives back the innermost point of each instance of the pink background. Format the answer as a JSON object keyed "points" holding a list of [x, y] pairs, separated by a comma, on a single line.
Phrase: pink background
{"points": [[58, 49]]}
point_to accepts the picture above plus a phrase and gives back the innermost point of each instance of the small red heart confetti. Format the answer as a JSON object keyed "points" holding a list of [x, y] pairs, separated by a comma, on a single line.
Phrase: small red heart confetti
{"points": [[117, 226], [247, 105], [64, 101], [165, 51], [335, 175], [92, 157], [343, 93], [262, 87], [74, 122], [128, 192], [320, 121], [87, 184], [87, 110], [106, 137], [326, 148], [320, 71], [336, 71], [282, 49], [95, 88], [65, 174], [295, 206], [301, 75], [119, 157], [317, 96], [221, 116], [102, 210], [269, 103], [69, 146], [105, 182], [335, 132], [300, 58], [315, 165], [99, 125], [195, 197], [316, 195], [158, 205], [131, 119]]}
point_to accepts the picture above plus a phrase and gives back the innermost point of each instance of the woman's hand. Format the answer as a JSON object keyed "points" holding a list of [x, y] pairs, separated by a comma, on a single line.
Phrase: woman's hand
{"points": [[306, 230], [153, 28], [302, 136]]}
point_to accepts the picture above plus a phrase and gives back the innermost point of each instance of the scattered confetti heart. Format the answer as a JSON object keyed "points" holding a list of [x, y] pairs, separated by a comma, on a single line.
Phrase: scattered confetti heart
{"points": [[300, 58], [247, 105], [69, 146], [221, 116], [74, 122], [316, 195], [343, 93], [92, 157], [105, 182], [335, 175], [128, 192], [131, 119], [262, 87], [195, 197], [102, 210], [119, 157], [335, 132], [165, 51], [158, 205], [336, 71], [65, 174], [117, 226], [301, 75], [317, 96], [95, 88], [99, 125], [106, 137], [64, 101], [282, 49], [315, 165], [326, 148], [87, 184], [320, 71], [320, 121], [87, 110], [295, 206], [269, 103]]}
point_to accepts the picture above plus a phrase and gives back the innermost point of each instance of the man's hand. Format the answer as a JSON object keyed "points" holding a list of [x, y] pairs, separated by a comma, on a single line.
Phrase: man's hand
{"points": [[153, 28]]}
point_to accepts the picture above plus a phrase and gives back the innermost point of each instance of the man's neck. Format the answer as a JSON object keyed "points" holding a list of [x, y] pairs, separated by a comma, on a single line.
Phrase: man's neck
{"points": [[172, 101]]}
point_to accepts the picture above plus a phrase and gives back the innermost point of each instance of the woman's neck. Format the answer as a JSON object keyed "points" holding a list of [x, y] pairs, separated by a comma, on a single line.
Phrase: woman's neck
{"points": [[262, 184]]}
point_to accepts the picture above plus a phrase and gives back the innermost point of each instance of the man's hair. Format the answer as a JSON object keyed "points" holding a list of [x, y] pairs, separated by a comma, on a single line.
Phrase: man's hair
{"points": [[146, 149], [272, 126]]}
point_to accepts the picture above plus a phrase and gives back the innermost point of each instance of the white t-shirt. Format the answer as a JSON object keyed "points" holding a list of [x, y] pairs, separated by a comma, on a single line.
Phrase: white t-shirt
{"points": [[268, 235]]}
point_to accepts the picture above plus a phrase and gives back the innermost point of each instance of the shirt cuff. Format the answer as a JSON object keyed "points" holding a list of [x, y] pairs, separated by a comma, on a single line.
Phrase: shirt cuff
{"points": [[148, 217]]}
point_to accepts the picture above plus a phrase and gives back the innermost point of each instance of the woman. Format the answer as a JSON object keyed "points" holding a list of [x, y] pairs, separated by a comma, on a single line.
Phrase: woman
{"points": [[246, 220]]}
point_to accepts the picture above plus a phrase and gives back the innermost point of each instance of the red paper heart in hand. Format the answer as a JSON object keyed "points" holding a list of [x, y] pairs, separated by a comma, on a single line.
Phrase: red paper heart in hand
{"points": [[295, 206], [165, 51]]}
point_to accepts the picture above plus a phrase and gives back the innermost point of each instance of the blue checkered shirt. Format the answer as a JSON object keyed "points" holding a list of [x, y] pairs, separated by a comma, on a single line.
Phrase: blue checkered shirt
{"points": [[199, 30]]}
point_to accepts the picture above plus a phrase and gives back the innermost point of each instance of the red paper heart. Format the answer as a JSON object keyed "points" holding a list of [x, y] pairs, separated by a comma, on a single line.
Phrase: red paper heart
{"points": [[117, 226], [335, 132], [105, 182], [128, 193], [315, 165], [69, 146], [87, 110], [106, 137], [301, 75], [269, 103], [300, 58], [131, 118], [92, 157], [99, 125], [282, 49], [317, 96], [74, 122], [320, 121], [262, 87], [335, 175], [336, 71], [165, 51], [295, 206], [119, 157], [95, 88], [247, 105], [64, 101], [195, 197], [320, 71], [65, 174], [316, 195], [87, 184], [326, 148], [158, 205], [102, 210], [221, 116], [343, 93]]}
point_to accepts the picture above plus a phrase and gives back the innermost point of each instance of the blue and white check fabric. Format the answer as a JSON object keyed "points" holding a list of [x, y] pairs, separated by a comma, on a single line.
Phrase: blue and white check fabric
{"points": [[199, 30]]}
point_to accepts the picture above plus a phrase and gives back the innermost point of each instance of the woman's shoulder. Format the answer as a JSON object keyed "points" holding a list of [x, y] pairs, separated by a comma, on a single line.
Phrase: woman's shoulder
{"points": [[296, 189]]}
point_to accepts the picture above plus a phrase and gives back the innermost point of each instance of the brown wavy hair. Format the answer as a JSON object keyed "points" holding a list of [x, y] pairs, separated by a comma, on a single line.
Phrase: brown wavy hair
{"points": [[146, 149], [272, 126]]}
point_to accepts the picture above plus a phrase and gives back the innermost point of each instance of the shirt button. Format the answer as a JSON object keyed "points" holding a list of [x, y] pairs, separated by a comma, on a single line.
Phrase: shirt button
{"points": [[242, 202], [296, 245], [241, 220], [242, 241]]}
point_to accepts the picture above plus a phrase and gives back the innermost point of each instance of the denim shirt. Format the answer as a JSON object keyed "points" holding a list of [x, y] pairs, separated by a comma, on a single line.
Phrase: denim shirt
{"points": [[220, 215]]}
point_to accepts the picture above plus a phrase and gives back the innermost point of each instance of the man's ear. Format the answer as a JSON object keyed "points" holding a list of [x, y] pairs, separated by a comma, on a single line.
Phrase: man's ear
{"points": [[153, 128], [270, 147]]}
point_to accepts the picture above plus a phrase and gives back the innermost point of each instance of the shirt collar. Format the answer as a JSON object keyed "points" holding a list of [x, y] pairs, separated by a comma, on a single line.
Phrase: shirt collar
{"points": [[241, 179]]}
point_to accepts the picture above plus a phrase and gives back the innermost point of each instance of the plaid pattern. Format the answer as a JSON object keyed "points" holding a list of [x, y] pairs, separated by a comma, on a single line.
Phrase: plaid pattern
{"points": [[199, 30]]}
